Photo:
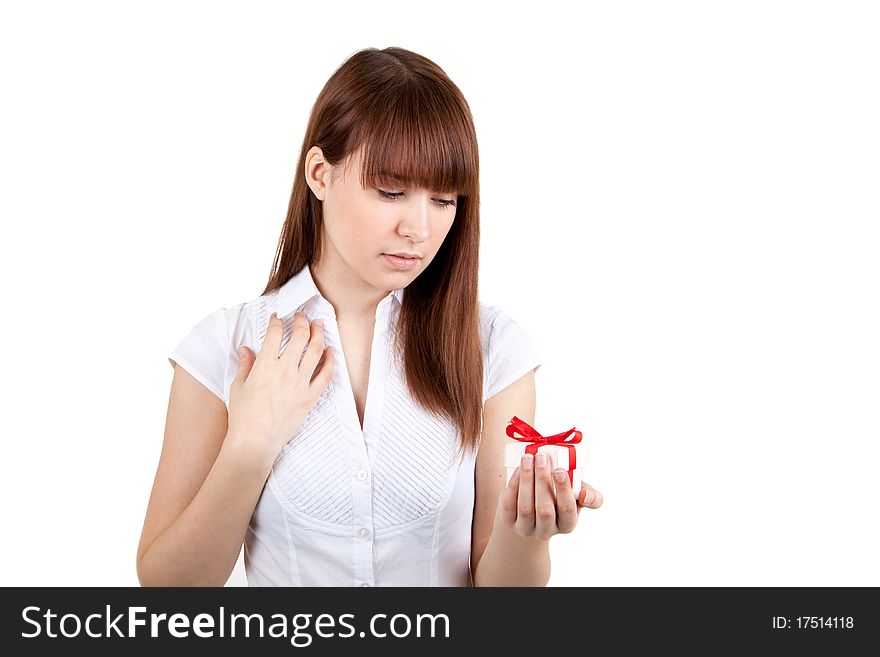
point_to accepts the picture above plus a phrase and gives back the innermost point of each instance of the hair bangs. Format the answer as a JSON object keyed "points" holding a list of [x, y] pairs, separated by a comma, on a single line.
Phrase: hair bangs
{"points": [[419, 144], [408, 126]]}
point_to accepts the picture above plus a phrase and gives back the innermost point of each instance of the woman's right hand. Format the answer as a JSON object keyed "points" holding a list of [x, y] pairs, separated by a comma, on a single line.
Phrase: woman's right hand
{"points": [[271, 394]]}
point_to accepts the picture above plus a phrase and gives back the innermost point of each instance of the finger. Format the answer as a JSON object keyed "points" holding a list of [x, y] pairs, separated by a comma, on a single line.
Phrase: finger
{"points": [[299, 338], [507, 500], [245, 363], [566, 504], [582, 490], [545, 505], [314, 350], [525, 502], [321, 377], [589, 497], [272, 341]]}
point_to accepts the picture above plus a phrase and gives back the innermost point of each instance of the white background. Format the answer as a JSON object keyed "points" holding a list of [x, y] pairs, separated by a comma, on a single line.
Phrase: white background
{"points": [[680, 204]]}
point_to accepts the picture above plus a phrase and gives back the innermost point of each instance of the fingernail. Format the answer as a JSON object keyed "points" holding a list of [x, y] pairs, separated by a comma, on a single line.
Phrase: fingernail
{"points": [[590, 497], [527, 461], [541, 459], [559, 475]]}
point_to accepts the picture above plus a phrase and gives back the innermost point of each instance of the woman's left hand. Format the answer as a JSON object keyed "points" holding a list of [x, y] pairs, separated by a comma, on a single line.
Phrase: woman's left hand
{"points": [[527, 503]]}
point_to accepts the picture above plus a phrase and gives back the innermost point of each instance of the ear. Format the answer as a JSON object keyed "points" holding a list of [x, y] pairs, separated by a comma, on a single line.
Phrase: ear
{"points": [[317, 171]]}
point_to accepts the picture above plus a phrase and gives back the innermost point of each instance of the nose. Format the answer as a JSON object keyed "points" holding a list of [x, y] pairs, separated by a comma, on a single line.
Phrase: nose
{"points": [[416, 221]]}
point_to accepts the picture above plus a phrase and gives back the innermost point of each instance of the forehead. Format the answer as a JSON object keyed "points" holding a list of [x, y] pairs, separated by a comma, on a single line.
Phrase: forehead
{"points": [[354, 168]]}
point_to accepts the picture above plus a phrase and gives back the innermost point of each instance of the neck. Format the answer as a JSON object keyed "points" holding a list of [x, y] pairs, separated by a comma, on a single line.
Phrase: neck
{"points": [[353, 299]]}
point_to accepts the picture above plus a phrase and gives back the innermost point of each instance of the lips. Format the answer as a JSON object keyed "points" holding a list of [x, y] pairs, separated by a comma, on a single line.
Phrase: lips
{"points": [[400, 262]]}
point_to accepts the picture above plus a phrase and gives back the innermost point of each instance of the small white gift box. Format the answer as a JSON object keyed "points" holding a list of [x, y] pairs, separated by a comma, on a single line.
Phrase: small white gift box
{"points": [[513, 453]]}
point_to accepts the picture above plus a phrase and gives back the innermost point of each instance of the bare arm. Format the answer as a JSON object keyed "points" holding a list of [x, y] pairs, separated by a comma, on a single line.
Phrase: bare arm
{"points": [[206, 488], [210, 474], [499, 556]]}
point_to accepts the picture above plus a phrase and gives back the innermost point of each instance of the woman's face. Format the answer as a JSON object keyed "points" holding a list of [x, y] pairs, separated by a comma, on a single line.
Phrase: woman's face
{"points": [[363, 227]]}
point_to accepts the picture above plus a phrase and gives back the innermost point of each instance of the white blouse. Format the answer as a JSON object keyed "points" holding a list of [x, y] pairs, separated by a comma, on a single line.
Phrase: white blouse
{"points": [[386, 506]]}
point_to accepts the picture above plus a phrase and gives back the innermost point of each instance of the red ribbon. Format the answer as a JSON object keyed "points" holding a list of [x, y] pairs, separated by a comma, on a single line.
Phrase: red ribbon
{"points": [[536, 441]]}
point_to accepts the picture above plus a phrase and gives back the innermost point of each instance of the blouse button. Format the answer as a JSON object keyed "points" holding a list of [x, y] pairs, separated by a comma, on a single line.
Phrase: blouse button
{"points": [[364, 532], [361, 475]]}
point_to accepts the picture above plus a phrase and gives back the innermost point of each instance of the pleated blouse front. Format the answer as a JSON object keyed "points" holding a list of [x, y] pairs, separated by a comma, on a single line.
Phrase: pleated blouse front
{"points": [[389, 505]]}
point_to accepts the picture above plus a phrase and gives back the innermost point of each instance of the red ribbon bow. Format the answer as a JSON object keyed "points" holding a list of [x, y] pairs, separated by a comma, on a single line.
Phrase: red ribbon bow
{"points": [[536, 441]]}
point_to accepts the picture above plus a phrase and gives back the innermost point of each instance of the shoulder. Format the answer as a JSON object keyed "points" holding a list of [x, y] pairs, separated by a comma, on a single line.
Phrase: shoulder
{"points": [[501, 330], [244, 314], [208, 346], [488, 313], [220, 323], [494, 320], [509, 351], [236, 324]]}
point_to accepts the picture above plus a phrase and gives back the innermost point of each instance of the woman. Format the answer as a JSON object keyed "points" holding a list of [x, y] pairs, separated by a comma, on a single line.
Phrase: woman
{"points": [[348, 425]]}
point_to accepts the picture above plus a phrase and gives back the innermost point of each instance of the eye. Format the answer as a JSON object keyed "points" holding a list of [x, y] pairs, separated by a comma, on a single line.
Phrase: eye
{"points": [[442, 202], [391, 195]]}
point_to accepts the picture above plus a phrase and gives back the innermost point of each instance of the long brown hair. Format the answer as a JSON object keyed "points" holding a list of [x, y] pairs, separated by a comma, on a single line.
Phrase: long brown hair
{"points": [[412, 121]]}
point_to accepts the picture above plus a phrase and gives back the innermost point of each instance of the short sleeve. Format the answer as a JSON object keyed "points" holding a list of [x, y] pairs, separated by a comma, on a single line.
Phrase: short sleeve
{"points": [[511, 354], [204, 352]]}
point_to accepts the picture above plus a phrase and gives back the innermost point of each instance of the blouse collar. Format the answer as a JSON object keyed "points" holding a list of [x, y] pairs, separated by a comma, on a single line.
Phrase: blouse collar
{"points": [[301, 288]]}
